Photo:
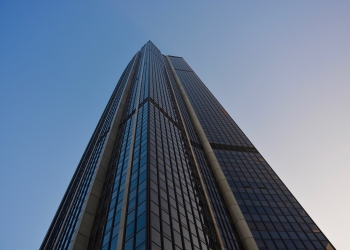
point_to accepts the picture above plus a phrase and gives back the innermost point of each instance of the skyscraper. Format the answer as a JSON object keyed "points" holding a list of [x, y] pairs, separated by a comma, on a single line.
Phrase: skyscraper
{"points": [[168, 168]]}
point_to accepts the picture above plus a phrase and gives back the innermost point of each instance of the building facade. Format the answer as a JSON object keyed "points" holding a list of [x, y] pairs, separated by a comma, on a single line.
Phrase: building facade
{"points": [[168, 168]]}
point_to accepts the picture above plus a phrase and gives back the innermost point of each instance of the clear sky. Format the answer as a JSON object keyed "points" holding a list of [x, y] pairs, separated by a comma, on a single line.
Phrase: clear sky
{"points": [[280, 68]]}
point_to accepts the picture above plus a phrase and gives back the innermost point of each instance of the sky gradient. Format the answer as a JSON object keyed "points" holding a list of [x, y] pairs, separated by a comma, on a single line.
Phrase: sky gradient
{"points": [[280, 68]]}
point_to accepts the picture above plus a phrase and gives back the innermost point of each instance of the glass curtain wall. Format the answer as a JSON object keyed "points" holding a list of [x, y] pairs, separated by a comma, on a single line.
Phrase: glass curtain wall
{"points": [[274, 216], [164, 203]]}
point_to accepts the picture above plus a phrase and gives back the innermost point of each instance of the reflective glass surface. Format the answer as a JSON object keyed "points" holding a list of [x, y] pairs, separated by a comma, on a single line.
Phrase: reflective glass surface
{"points": [[274, 216], [165, 207], [152, 195], [68, 214]]}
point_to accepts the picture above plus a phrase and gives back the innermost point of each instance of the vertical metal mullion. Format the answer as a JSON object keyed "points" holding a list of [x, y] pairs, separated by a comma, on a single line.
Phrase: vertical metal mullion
{"points": [[98, 158], [148, 184], [181, 121], [232, 205], [99, 128], [123, 215]]}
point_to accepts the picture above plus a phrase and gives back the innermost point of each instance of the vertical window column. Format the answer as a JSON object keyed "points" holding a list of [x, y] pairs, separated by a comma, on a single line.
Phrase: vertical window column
{"points": [[237, 216], [124, 221]]}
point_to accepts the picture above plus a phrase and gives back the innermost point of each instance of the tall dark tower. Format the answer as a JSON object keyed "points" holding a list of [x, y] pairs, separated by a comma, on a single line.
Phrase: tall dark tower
{"points": [[168, 168]]}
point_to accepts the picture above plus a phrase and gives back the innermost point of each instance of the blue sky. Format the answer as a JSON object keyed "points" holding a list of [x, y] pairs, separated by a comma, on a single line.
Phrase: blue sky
{"points": [[280, 68]]}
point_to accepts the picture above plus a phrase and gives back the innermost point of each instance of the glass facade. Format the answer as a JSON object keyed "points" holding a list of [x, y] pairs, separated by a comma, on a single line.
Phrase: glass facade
{"points": [[61, 230], [274, 216], [158, 190]]}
